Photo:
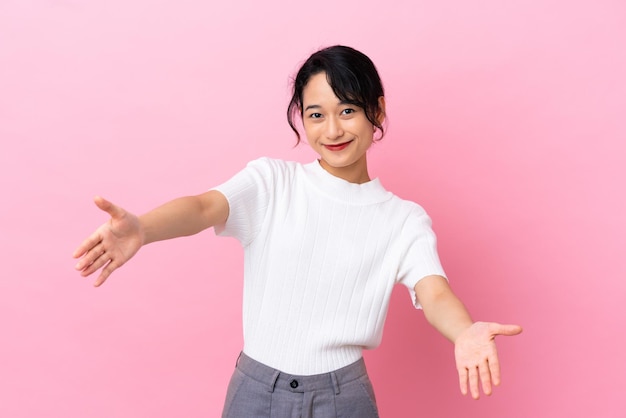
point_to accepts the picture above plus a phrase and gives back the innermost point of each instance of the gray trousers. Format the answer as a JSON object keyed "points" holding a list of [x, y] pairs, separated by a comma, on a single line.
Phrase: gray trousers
{"points": [[258, 391]]}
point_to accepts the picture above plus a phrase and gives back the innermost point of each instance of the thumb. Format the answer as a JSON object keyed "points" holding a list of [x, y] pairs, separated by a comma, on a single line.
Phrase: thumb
{"points": [[506, 329], [113, 210]]}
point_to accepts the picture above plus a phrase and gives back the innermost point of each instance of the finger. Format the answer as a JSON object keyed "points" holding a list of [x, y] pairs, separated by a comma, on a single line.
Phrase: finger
{"points": [[97, 264], [106, 272], [505, 329], [94, 267], [473, 382], [113, 210], [485, 377], [494, 368], [88, 244], [463, 380], [89, 257]]}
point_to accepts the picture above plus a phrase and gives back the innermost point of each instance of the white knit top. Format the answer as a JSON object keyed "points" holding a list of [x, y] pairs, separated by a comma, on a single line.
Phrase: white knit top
{"points": [[321, 256]]}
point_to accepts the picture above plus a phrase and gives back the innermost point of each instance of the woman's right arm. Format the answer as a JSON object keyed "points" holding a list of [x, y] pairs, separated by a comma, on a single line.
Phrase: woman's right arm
{"points": [[118, 240]]}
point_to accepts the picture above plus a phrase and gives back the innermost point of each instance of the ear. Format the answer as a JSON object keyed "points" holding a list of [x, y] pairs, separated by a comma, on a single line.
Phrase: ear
{"points": [[381, 110]]}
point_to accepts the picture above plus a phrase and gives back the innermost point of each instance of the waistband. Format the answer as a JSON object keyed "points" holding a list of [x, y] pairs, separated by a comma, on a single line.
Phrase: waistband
{"points": [[275, 379]]}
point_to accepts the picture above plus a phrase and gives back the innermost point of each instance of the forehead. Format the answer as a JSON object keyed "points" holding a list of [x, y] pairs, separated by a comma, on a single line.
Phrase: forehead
{"points": [[317, 91]]}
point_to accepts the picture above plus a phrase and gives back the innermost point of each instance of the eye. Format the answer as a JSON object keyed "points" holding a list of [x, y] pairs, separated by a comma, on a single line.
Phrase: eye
{"points": [[348, 111], [315, 115]]}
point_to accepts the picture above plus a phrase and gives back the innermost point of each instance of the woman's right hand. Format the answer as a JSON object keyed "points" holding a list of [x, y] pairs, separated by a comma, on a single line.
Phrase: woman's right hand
{"points": [[112, 244]]}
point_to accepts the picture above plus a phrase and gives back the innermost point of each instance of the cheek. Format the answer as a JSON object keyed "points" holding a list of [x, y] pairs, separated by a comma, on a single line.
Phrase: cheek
{"points": [[365, 130], [360, 125], [311, 130]]}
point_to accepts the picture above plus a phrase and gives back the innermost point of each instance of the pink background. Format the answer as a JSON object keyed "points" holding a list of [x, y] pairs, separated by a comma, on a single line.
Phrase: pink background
{"points": [[506, 122]]}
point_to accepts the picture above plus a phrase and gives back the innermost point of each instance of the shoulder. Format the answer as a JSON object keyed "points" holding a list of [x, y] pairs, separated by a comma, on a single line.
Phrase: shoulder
{"points": [[275, 168], [410, 217], [407, 208], [274, 164]]}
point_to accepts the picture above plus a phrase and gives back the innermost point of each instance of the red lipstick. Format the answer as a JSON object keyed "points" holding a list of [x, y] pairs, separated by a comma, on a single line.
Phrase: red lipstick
{"points": [[337, 147]]}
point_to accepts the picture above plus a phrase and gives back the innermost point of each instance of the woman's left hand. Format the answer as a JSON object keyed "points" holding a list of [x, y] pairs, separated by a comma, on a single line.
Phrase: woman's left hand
{"points": [[477, 358]]}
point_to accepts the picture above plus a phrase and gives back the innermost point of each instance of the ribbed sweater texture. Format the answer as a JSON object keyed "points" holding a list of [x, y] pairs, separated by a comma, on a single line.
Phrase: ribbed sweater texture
{"points": [[321, 256]]}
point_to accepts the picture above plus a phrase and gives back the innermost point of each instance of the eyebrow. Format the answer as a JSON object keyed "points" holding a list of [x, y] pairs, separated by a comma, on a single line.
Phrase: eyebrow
{"points": [[316, 106]]}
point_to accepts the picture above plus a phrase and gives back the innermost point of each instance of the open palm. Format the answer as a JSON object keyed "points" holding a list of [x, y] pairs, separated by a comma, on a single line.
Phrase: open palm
{"points": [[477, 357], [111, 245]]}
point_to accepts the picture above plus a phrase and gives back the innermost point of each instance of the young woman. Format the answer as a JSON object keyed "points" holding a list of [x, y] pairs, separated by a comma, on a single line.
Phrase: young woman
{"points": [[324, 245]]}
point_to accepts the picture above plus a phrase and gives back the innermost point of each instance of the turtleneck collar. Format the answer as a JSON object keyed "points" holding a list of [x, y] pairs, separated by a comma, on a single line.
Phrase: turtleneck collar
{"points": [[360, 194]]}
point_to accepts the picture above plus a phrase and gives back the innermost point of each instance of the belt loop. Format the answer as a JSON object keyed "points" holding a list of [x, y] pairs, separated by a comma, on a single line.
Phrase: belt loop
{"points": [[333, 376], [238, 357], [274, 380]]}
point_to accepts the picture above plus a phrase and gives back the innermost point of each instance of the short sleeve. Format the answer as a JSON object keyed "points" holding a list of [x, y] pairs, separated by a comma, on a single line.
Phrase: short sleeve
{"points": [[248, 194], [421, 258]]}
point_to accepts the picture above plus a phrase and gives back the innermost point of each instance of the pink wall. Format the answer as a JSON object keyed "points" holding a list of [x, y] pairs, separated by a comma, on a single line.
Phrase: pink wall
{"points": [[507, 122]]}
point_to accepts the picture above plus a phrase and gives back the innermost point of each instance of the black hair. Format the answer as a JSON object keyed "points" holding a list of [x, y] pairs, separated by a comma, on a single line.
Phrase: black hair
{"points": [[352, 76]]}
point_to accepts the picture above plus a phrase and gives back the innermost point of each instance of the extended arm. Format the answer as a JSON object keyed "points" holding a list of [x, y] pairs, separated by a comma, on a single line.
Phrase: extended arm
{"points": [[184, 216], [118, 240], [474, 342]]}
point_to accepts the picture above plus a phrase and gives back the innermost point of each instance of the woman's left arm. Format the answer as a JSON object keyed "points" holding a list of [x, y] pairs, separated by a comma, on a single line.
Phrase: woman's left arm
{"points": [[474, 342]]}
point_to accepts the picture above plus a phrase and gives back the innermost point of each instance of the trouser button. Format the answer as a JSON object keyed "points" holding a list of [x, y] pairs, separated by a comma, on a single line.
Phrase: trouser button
{"points": [[293, 384]]}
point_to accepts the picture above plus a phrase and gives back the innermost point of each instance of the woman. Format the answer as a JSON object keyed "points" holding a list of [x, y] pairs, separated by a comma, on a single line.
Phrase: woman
{"points": [[324, 245]]}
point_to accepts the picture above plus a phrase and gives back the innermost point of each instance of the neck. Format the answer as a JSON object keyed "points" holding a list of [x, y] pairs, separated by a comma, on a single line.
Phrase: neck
{"points": [[356, 173]]}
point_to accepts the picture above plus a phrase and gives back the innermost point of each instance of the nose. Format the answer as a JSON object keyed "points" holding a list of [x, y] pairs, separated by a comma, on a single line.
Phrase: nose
{"points": [[333, 129]]}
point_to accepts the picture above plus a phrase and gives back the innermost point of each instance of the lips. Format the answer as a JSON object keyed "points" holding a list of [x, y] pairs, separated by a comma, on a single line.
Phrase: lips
{"points": [[337, 147]]}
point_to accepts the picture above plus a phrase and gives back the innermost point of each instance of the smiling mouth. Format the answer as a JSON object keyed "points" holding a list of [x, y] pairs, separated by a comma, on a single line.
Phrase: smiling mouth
{"points": [[337, 147]]}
